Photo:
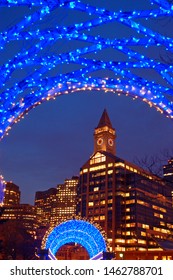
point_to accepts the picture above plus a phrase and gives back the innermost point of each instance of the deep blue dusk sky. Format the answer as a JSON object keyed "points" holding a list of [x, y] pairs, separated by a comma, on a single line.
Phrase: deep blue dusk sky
{"points": [[56, 138]]}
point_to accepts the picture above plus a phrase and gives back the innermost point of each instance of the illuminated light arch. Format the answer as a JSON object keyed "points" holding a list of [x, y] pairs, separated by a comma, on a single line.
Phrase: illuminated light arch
{"points": [[62, 57], [2, 188], [78, 231]]}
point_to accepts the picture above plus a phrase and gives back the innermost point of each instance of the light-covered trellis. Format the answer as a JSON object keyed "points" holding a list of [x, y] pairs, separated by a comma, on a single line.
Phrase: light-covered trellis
{"points": [[55, 47]]}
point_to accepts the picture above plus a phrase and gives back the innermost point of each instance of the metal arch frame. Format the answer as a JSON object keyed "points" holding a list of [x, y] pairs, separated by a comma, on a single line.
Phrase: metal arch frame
{"points": [[78, 231], [35, 88]]}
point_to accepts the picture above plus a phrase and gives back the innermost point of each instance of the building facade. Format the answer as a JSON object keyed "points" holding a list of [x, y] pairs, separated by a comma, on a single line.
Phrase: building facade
{"points": [[168, 172], [45, 201], [66, 201], [11, 194], [57, 204], [23, 214], [133, 206]]}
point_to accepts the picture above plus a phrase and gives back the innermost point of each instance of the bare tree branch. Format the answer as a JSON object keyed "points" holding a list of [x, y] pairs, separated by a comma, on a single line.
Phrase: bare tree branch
{"points": [[154, 163]]}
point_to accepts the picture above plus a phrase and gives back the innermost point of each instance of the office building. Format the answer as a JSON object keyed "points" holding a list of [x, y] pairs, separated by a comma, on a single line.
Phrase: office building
{"points": [[66, 201], [133, 206], [168, 172], [57, 204], [45, 201], [11, 194], [23, 214]]}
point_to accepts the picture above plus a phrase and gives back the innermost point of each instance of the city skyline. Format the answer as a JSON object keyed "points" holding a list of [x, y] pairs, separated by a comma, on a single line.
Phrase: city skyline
{"points": [[128, 146], [128, 204]]}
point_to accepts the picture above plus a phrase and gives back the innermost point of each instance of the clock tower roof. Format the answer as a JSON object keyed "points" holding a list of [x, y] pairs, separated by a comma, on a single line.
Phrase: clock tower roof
{"points": [[104, 135], [104, 120]]}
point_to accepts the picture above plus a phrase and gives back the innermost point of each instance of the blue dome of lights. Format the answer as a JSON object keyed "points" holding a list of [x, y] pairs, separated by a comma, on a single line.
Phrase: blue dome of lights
{"points": [[2, 186], [78, 231]]}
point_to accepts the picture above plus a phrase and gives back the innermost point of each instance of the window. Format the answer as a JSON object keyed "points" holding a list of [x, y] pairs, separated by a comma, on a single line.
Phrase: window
{"points": [[98, 158], [91, 203]]}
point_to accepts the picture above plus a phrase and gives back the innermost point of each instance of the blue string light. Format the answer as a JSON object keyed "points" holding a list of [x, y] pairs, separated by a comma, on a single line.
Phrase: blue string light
{"points": [[20, 94], [2, 188], [76, 231]]}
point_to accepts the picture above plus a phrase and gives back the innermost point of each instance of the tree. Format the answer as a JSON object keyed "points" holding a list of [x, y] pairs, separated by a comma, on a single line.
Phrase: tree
{"points": [[154, 163], [15, 241]]}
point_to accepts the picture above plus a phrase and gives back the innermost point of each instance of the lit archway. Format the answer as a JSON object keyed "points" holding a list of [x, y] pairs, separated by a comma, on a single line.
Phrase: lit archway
{"points": [[77, 231], [2, 188], [58, 47]]}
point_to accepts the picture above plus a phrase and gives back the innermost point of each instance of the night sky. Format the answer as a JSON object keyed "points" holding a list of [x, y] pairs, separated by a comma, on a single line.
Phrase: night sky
{"points": [[55, 139]]}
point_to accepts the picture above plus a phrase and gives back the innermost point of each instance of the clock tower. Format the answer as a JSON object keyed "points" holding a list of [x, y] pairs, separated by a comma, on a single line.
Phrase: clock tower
{"points": [[104, 135]]}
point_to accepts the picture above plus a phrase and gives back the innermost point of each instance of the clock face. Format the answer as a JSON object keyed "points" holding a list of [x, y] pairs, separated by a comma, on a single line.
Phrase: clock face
{"points": [[100, 141], [110, 142]]}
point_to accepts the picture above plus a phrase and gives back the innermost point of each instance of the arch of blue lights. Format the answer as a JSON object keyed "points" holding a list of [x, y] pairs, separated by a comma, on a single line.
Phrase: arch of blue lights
{"points": [[78, 231], [2, 188], [50, 48]]}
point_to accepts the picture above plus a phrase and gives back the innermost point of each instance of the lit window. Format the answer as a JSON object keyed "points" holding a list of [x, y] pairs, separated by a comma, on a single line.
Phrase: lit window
{"points": [[98, 158], [158, 215], [145, 226], [102, 202], [142, 203], [141, 241], [85, 170], [130, 201], [121, 164], [102, 218], [120, 240], [159, 208], [98, 167], [91, 203]]}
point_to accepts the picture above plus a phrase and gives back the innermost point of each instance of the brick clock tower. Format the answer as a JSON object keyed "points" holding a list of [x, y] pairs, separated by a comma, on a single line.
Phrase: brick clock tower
{"points": [[104, 135]]}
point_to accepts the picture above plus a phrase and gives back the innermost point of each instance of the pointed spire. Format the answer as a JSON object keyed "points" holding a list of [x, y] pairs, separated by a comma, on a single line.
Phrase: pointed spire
{"points": [[104, 120]]}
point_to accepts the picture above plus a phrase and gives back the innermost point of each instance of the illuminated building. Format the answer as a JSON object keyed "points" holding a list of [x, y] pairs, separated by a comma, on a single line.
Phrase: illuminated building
{"points": [[44, 202], [24, 214], [133, 206], [12, 210], [11, 194], [168, 171], [66, 197], [168, 174], [57, 204]]}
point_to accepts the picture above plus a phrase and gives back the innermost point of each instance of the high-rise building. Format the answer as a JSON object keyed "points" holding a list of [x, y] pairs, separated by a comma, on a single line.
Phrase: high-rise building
{"points": [[57, 204], [66, 198], [45, 201], [168, 174], [133, 206], [168, 171], [11, 194]]}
